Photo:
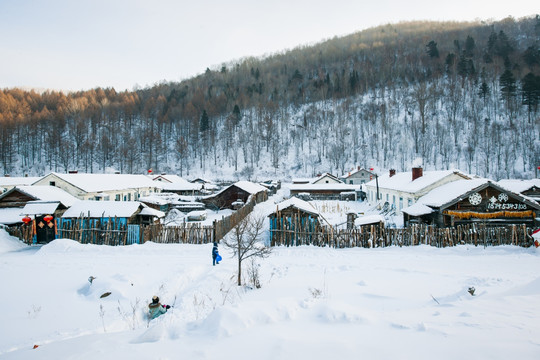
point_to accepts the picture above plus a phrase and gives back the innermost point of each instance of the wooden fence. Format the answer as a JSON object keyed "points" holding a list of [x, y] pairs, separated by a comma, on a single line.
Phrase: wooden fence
{"points": [[379, 236], [114, 231], [188, 233]]}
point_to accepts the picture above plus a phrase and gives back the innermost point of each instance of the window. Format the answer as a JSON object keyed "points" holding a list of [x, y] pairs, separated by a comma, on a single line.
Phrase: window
{"points": [[387, 197], [52, 183], [400, 203], [350, 181], [117, 197], [129, 197], [409, 202], [394, 200]]}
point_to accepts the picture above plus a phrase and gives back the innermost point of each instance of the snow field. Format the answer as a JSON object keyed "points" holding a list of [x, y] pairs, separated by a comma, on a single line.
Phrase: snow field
{"points": [[317, 303]]}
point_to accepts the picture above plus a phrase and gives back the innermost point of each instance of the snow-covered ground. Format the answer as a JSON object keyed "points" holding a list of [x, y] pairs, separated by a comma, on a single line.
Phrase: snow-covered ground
{"points": [[314, 303]]}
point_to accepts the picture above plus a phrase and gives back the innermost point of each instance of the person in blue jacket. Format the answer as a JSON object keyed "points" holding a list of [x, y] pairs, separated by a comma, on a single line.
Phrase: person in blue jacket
{"points": [[215, 254], [155, 308]]}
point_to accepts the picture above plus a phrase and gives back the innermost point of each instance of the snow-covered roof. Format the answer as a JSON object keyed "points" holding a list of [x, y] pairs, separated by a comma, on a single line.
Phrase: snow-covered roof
{"points": [[96, 209], [250, 187], [453, 191], [169, 178], [48, 193], [154, 200], [519, 186], [39, 208], [448, 192], [402, 181], [206, 181], [319, 178], [417, 210], [297, 204], [106, 182], [14, 181], [152, 212], [369, 219], [301, 180], [180, 186], [333, 187], [196, 213], [352, 172], [10, 216]]}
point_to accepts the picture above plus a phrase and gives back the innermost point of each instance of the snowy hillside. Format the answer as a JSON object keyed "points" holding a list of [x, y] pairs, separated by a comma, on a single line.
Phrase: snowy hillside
{"points": [[315, 303]]}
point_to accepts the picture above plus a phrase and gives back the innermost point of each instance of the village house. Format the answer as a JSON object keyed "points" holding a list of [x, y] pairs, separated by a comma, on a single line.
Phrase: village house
{"points": [[236, 195], [209, 186], [166, 201], [472, 201], [178, 185], [293, 223], [126, 212], [102, 187], [324, 187], [400, 190], [106, 222], [358, 177], [13, 202]]}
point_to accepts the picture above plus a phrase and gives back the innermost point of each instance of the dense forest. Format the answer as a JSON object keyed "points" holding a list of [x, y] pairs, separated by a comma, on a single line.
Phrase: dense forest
{"points": [[439, 94]]}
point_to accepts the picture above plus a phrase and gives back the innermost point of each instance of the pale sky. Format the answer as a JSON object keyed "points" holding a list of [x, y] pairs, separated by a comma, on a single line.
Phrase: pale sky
{"points": [[82, 44]]}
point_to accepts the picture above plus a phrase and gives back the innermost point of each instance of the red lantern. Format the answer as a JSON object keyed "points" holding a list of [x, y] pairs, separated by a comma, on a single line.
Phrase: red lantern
{"points": [[26, 219], [48, 218], [150, 171]]}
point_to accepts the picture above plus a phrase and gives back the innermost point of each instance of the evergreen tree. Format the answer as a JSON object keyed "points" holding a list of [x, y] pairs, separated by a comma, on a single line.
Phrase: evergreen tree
{"points": [[204, 124], [508, 91], [236, 115], [469, 46], [503, 47], [483, 92], [465, 66], [432, 50], [531, 56], [449, 62], [530, 91]]}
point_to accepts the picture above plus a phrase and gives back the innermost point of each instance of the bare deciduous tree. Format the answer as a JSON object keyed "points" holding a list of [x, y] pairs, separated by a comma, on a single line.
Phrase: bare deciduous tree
{"points": [[245, 241]]}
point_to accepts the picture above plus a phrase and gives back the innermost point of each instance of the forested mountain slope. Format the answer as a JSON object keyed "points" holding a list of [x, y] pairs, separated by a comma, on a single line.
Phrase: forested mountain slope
{"points": [[440, 94]]}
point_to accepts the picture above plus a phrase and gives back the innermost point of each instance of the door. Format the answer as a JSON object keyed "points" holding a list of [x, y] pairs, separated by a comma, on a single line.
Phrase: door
{"points": [[45, 231]]}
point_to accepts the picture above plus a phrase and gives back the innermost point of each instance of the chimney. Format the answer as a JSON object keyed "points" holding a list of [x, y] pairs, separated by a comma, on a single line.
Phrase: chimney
{"points": [[358, 167], [416, 173], [73, 171], [392, 172]]}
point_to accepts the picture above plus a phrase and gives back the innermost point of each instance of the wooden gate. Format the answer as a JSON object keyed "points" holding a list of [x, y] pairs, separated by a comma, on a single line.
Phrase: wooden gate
{"points": [[133, 234]]}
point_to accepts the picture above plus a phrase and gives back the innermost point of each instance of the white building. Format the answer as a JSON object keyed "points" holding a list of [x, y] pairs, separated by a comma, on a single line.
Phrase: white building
{"points": [[102, 187], [403, 189], [358, 176]]}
